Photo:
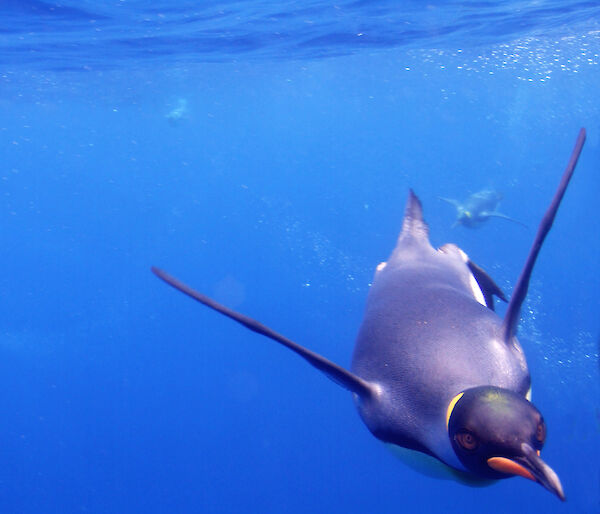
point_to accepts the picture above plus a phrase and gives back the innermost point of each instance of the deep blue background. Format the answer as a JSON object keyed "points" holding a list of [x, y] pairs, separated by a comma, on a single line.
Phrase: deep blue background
{"points": [[278, 193]]}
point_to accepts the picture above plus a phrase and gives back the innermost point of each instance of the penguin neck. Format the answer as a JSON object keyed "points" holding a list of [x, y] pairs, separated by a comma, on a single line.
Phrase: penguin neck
{"points": [[436, 468], [442, 446]]}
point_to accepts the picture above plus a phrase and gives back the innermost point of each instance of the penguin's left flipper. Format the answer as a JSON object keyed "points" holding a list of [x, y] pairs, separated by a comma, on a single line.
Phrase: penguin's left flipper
{"points": [[339, 375], [511, 317], [496, 214]]}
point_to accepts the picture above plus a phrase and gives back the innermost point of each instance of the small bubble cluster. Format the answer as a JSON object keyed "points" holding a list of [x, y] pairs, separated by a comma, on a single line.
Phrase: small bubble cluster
{"points": [[531, 59]]}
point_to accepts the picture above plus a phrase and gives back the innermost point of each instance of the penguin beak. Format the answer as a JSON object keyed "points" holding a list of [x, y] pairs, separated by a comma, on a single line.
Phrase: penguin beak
{"points": [[530, 466]]}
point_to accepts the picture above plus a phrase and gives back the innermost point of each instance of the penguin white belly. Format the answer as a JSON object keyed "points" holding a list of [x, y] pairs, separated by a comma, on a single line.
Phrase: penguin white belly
{"points": [[434, 468]]}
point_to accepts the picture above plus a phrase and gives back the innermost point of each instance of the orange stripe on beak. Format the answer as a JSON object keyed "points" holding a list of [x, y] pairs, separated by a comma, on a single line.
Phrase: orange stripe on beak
{"points": [[510, 467]]}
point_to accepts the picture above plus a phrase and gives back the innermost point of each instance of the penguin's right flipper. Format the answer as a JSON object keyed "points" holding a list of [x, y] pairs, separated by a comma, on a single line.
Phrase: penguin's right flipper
{"points": [[336, 373], [456, 203]]}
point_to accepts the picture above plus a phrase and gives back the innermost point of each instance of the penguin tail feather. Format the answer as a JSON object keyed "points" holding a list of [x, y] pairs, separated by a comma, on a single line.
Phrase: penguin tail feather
{"points": [[414, 226]]}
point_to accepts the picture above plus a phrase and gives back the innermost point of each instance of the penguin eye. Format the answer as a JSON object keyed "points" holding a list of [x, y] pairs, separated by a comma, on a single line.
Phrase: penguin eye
{"points": [[467, 440], [540, 433]]}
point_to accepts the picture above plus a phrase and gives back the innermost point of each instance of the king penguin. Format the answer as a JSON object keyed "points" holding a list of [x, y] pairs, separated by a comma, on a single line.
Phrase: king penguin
{"points": [[435, 371]]}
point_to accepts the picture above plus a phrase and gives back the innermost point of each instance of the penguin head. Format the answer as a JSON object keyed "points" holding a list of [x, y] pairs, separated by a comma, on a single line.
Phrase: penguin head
{"points": [[464, 216], [497, 433]]}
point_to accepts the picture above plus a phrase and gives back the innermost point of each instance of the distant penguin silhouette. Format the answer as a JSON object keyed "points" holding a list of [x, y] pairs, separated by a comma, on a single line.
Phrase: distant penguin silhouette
{"points": [[435, 372], [178, 113], [478, 208]]}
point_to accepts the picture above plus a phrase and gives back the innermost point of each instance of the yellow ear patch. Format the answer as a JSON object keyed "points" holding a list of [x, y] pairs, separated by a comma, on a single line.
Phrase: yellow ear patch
{"points": [[451, 407]]}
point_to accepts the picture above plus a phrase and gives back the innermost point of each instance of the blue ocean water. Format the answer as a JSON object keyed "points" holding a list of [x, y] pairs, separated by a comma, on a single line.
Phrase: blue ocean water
{"points": [[262, 151]]}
